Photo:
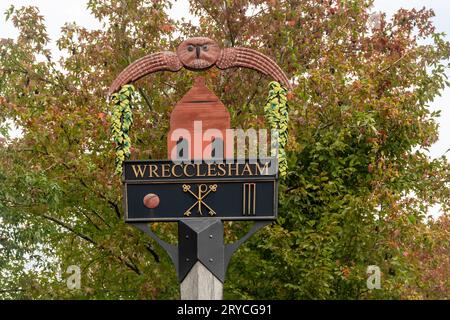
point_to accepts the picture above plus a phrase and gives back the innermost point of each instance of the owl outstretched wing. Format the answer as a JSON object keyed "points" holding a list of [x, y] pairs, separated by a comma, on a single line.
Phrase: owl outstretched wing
{"points": [[159, 61], [252, 59]]}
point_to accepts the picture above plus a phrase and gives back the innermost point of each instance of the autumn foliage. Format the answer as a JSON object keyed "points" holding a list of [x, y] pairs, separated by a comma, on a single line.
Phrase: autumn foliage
{"points": [[359, 184]]}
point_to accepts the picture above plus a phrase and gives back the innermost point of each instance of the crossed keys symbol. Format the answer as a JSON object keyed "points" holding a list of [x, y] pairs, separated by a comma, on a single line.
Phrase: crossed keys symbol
{"points": [[202, 191]]}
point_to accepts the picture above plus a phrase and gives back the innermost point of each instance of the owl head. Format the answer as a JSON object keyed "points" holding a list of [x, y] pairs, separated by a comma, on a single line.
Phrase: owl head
{"points": [[198, 53]]}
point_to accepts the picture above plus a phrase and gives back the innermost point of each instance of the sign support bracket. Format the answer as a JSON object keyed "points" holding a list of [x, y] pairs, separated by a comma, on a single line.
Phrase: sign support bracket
{"points": [[172, 250], [232, 247], [201, 246]]}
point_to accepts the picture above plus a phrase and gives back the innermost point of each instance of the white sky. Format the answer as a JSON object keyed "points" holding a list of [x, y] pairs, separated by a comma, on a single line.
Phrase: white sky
{"points": [[56, 13]]}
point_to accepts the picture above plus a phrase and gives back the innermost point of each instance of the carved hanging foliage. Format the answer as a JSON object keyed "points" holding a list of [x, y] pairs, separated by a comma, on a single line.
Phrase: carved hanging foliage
{"points": [[121, 121], [277, 115]]}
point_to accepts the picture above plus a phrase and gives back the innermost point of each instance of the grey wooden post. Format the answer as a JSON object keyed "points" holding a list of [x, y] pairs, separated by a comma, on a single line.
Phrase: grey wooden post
{"points": [[201, 284]]}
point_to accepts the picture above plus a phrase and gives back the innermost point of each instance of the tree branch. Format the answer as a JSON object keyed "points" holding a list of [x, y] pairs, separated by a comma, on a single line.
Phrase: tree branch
{"points": [[69, 228], [150, 249], [90, 220], [101, 218], [130, 265], [146, 98]]}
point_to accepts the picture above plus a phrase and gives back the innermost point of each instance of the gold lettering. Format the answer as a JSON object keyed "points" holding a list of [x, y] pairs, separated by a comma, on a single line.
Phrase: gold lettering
{"points": [[153, 171], [198, 171], [230, 168], [140, 171], [165, 170], [265, 168], [185, 170], [221, 167], [211, 173], [249, 199], [174, 171], [247, 169]]}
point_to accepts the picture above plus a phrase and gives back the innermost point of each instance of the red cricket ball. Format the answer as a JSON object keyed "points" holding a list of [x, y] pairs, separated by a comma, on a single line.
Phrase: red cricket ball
{"points": [[151, 200]]}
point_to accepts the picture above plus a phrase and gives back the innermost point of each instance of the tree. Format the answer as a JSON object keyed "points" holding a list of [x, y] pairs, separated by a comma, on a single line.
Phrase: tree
{"points": [[359, 183]]}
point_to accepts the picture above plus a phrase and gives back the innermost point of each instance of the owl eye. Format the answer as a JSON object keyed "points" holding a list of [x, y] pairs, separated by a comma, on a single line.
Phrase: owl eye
{"points": [[190, 48], [205, 47]]}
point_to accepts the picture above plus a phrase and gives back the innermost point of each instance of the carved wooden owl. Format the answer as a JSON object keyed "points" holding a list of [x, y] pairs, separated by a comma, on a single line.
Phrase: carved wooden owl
{"points": [[196, 54]]}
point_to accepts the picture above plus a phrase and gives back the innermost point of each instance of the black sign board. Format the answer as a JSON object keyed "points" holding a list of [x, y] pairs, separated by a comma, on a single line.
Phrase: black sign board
{"points": [[229, 190]]}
